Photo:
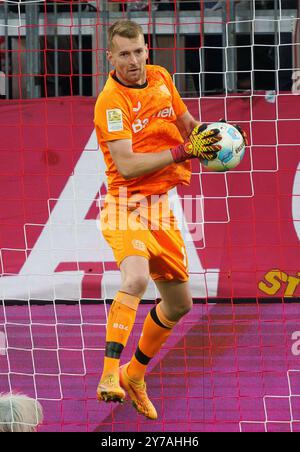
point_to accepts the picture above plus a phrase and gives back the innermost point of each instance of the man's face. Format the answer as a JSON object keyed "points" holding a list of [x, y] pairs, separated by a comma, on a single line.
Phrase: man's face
{"points": [[129, 57]]}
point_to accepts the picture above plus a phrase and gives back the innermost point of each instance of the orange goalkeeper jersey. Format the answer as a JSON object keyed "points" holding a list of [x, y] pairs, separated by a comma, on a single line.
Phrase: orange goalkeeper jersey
{"points": [[146, 115]]}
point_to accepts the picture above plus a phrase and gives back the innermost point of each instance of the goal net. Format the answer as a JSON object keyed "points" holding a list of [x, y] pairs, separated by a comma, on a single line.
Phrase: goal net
{"points": [[233, 363]]}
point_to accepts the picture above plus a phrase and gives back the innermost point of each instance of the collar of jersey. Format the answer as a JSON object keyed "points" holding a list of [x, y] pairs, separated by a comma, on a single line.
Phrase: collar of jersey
{"points": [[126, 86]]}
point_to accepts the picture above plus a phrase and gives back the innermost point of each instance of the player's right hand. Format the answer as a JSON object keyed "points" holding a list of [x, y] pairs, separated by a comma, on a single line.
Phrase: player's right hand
{"points": [[201, 144], [204, 142]]}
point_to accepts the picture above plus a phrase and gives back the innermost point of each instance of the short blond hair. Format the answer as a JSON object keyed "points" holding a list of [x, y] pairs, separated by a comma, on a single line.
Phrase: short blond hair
{"points": [[124, 28], [19, 413]]}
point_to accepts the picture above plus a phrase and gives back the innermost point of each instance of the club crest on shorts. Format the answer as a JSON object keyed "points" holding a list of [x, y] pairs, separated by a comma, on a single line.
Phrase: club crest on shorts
{"points": [[139, 245]]}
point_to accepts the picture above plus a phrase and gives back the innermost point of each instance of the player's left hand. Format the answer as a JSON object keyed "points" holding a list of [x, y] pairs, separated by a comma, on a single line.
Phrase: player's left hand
{"points": [[242, 132]]}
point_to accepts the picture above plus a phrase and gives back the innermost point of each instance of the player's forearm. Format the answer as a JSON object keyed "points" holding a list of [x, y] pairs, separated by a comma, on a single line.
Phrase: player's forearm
{"points": [[186, 124], [190, 125], [140, 164]]}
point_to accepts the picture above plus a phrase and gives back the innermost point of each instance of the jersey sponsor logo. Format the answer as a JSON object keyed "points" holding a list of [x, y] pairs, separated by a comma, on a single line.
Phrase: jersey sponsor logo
{"points": [[140, 124], [114, 120], [138, 108], [165, 113]]}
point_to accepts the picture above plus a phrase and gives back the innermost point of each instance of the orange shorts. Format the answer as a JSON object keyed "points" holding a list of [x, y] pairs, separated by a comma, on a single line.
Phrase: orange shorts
{"points": [[146, 227]]}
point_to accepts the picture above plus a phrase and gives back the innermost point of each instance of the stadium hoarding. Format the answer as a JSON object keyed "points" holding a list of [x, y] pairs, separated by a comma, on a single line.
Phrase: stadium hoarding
{"points": [[241, 228]]}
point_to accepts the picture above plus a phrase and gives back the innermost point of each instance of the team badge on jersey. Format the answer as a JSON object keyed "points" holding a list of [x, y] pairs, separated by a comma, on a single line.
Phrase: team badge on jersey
{"points": [[114, 120]]}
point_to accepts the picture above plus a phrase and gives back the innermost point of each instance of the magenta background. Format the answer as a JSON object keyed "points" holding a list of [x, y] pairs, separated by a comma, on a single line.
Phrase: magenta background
{"points": [[42, 140], [222, 360], [213, 373]]}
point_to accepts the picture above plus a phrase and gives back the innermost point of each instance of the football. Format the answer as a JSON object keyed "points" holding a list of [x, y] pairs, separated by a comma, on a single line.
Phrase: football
{"points": [[232, 148]]}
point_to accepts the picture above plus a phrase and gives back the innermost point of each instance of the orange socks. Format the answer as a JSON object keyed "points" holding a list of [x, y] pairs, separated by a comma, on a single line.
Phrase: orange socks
{"points": [[156, 330], [120, 321]]}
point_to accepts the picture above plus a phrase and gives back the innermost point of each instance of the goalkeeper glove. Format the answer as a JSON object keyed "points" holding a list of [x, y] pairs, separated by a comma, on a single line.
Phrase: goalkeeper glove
{"points": [[243, 133], [201, 144]]}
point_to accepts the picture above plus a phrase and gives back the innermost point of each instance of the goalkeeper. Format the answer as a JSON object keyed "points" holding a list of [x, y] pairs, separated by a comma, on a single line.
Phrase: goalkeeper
{"points": [[147, 137]]}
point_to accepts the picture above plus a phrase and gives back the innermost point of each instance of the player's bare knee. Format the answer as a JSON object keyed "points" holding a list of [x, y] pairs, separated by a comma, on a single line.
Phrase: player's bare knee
{"points": [[185, 308], [135, 284]]}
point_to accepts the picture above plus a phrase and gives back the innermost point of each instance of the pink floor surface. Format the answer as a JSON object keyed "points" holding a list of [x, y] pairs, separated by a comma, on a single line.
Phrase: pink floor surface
{"points": [[226, 368]]}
